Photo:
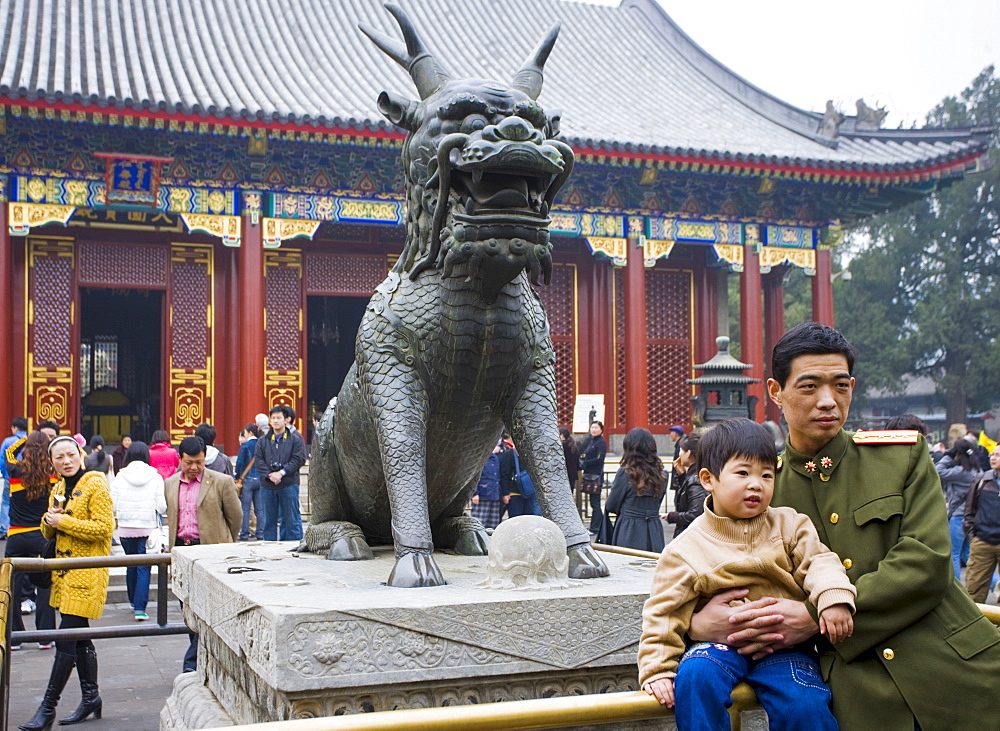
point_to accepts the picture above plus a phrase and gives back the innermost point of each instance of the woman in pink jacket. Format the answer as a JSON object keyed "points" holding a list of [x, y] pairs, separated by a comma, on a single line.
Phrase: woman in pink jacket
{"points": [[162, 456]]}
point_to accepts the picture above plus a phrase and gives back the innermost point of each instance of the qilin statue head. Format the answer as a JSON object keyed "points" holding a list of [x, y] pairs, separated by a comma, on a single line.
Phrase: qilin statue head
{"points": [[481, 163]]}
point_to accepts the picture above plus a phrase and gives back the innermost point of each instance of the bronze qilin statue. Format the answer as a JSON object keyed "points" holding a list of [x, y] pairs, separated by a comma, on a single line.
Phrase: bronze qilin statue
{"points": [[454, 344]]}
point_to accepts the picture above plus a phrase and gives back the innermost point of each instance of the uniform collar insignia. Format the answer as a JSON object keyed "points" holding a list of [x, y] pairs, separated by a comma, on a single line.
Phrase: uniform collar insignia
{"points": [[824, 463]]}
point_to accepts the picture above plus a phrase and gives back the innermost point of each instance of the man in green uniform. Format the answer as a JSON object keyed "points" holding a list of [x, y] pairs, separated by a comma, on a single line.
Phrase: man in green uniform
{"points": [[922, 654]]}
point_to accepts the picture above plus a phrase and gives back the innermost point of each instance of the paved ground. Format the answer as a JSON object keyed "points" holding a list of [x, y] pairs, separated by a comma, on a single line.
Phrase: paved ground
{"points": [[136, 674]]}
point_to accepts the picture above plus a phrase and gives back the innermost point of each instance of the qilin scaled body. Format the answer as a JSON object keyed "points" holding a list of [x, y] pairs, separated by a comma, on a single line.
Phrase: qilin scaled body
{"points": [[454, 344]]}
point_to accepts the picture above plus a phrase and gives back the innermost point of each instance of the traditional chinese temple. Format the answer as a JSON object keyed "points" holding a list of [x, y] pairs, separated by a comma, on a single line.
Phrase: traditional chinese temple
{"points": [[199, 198]]}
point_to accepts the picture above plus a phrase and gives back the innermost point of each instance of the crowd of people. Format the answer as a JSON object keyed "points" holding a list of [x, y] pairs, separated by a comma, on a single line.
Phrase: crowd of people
{"points": [[802, 567], [61, 500]]}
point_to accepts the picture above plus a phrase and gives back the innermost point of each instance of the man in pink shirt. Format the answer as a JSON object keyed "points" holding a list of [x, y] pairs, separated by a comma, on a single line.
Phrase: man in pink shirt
{"points": [[203, 507]]}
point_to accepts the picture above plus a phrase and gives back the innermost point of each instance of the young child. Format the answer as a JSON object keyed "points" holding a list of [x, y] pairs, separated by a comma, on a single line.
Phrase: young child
{"points": [[741, 542]]}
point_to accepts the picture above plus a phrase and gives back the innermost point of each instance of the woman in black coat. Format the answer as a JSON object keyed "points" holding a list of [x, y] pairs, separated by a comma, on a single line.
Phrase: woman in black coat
{"points": [[636, 494], [571, 455], [689, 495], [592, 463]]}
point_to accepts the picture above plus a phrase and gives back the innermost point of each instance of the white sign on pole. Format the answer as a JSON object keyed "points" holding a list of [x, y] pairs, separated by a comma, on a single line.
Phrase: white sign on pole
{"points": [[588, 409]]}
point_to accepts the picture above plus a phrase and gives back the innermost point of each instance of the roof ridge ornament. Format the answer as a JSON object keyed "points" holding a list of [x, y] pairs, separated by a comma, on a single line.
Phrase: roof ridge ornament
{"points": [[829, 127], [426, 72], [869, 119]]}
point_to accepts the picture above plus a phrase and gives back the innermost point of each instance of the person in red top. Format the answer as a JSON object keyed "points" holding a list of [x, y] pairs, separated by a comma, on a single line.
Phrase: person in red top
{"points": [[162, 456], [30, 484]]}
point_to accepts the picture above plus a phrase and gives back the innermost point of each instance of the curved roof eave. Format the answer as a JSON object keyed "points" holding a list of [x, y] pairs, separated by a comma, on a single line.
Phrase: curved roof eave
{"points": [[751, 128]]}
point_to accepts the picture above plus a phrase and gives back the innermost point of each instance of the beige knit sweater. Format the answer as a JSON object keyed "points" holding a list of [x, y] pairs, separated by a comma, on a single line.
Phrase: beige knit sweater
{"points": [[778, 553]]}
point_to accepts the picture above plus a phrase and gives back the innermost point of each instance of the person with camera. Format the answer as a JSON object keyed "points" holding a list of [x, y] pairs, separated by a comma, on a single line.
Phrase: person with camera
{"points": [[959, 471], [279, 456]]}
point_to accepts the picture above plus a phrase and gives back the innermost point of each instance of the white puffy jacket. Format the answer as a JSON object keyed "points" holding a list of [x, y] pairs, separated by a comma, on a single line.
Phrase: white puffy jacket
{"points": [[137, 494]]}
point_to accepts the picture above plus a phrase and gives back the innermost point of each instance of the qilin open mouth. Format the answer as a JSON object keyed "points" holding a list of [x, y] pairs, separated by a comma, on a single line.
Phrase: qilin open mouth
{"points": [[494, 193]]}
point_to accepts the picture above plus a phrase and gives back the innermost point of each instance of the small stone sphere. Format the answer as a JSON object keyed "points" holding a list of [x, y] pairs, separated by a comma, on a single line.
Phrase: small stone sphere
{"points": [[527, 552]]}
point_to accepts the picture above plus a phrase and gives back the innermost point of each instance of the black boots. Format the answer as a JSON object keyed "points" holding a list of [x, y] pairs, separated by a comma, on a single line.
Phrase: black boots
{"points": [[62, 666], [90, 702]]}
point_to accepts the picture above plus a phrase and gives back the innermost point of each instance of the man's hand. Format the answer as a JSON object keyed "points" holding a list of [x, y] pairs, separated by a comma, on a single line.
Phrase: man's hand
{"points": [[714, 623], [662, 689], [836, 622], [759, 635], [274, 477]]}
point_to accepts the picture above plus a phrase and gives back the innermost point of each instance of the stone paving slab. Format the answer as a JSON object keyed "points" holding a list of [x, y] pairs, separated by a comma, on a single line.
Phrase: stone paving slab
{"points": [[136, 675]]}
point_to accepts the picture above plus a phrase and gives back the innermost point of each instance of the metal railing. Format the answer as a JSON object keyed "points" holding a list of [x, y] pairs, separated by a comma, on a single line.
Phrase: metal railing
{"points": [[11, 566], [583, 710]]}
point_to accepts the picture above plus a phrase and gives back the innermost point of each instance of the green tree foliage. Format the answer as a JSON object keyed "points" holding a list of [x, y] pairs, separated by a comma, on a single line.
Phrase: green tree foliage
{"points": [[924, 297]]}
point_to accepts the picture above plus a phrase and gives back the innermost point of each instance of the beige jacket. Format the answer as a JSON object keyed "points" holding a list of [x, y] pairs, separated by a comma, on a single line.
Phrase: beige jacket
{"points": [[219, 511], [777, 554]]}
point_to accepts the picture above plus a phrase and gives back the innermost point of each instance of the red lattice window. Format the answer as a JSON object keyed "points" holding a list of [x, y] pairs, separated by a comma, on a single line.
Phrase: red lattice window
{"points": [[559, 301], [565, 382], [283, 317], [668, 346], [51, 291], [118, 265], [191, 336], [338, 274]]}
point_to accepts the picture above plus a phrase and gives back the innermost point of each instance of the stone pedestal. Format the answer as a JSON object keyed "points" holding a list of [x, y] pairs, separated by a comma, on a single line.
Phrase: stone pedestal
{"points": [[304, 637]]}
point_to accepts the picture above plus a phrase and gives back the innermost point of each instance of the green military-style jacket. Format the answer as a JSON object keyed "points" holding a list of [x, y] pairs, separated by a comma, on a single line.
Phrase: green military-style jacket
{"points": [[920, 646]]}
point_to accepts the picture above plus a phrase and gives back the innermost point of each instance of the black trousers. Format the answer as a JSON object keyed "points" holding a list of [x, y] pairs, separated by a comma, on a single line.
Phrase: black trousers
{"points": [[71, 621], [29, 544]]}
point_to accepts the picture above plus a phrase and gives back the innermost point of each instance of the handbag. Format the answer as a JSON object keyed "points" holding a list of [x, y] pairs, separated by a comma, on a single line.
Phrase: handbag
{"points": [[158, 541], [523, 480], [239, 480], [43, 579], [591, 484]]}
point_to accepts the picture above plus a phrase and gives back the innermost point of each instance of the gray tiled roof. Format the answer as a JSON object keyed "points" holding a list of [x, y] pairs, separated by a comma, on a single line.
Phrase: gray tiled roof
{"points": [[626, 78]]}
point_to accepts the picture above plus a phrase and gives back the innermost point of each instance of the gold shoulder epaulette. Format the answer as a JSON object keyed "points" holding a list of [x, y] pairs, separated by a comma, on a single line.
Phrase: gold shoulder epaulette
{"points": [[898, 436], [781, 461]]}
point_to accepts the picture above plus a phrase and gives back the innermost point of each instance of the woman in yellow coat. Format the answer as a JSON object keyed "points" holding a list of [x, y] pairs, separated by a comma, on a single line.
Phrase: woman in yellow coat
{"points": [[81, 519]]}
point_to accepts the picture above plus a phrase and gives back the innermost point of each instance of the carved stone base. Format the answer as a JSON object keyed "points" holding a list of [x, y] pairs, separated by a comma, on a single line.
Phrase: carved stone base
{"points": [[305, 637]]}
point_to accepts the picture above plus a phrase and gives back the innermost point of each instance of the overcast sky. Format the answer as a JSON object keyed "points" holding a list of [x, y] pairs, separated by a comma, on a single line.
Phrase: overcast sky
{"points": [[905, 55]]}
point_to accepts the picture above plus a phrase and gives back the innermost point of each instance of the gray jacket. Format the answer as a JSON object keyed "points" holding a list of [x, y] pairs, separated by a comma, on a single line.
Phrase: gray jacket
{"points": [[956, 481]]}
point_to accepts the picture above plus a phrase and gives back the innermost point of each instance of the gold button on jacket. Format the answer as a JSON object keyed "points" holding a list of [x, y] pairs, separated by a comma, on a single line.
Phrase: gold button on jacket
{"points": [[888, 654], [848, 563], [834, 518]]}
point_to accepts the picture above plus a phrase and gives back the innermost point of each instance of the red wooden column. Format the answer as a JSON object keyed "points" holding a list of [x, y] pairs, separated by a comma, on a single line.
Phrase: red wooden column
{"points": [[774, 327], [636, 366], [822, 289], [706, 313], [752, 325], [595, 339], [6, 323], [251, 320]]}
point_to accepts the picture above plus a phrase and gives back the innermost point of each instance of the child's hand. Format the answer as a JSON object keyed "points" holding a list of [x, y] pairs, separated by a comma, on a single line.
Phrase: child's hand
{"points": [[836, 622], [662, 689]]}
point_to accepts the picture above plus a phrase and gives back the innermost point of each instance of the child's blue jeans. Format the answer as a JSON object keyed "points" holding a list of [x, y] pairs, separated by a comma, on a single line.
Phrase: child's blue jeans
{"points": [[788, 686]]}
